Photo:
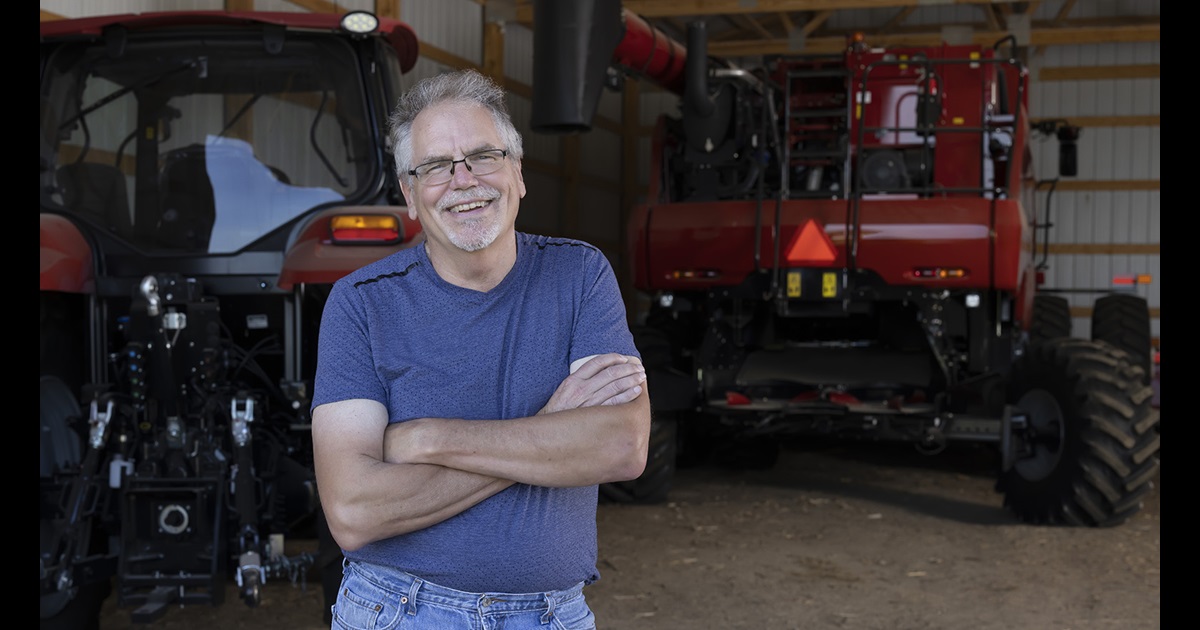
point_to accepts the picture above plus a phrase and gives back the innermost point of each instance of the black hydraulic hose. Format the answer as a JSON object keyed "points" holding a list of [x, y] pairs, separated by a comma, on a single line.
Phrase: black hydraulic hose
{"points": [[240, 112], [1043, 264], [782, 154], [312, 134], [1001, 77]]}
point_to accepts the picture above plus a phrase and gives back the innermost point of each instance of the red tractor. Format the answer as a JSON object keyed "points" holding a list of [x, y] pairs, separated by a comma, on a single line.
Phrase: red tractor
{"points": [[848, 245], [205, 177]]}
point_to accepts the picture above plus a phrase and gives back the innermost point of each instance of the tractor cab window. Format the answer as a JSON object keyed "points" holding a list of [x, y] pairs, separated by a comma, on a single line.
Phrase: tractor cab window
{"points": [[202, 148]]}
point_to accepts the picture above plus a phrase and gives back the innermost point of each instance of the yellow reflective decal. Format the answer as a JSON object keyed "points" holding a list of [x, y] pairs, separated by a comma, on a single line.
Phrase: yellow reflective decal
{"points": [[829, 284], [793, 284]]}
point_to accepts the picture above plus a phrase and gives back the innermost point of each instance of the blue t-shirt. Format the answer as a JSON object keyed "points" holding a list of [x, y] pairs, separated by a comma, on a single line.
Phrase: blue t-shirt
{"points": [[396, 332]]}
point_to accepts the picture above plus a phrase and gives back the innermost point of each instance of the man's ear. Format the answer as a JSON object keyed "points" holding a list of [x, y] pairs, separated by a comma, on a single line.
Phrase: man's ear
{"points": [[408, 198], [520, 180]]}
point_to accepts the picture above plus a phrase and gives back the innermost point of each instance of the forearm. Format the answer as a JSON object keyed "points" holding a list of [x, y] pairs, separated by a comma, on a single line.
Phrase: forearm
{"points": [[383, 499], [574, 447], [366, 498]]}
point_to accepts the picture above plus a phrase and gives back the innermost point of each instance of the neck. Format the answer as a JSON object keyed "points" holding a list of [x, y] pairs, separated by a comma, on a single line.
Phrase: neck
{"points": [[480, 270]]}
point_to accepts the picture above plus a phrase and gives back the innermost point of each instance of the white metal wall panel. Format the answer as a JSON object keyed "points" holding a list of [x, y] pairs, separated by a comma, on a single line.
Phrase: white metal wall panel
{"points": [[600, 216], [541, 209], [518, 53], [455, 26], [600, 154], [1110, 8], [1105, 154], [538, 146], [609, 105]]}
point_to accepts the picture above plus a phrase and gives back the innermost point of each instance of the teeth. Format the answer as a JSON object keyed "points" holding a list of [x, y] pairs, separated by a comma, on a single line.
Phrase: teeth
{"points": [[469, 206]]}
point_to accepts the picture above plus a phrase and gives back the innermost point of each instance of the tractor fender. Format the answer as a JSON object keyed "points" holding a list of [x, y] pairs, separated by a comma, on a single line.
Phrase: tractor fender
{"points": [[314, 258], [66, 257]]}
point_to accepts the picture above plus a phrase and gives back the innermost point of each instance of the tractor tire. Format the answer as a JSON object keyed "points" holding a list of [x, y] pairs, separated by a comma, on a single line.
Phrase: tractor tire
{"points": [[655, 482], [1051, 318], [1123, 321], [1092, 441], [76, 608]]}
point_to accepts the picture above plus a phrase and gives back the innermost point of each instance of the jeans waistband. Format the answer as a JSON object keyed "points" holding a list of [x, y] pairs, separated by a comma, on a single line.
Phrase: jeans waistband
{"points": [[419, 590]]}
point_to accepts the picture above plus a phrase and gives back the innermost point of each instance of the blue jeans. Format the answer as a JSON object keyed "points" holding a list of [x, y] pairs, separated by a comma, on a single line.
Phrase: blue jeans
{"points": [[377, 598]]}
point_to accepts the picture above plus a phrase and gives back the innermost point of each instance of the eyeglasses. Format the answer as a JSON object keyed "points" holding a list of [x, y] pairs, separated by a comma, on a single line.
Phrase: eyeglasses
{"points": [[442, 171]]}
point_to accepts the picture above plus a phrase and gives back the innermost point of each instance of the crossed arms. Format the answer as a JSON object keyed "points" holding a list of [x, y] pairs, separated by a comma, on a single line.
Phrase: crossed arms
{"points": [[379, 480]]}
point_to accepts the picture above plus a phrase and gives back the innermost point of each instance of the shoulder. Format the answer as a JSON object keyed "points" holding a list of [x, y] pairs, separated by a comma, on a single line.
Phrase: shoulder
{"points": [[398, 265], [558, 248]]}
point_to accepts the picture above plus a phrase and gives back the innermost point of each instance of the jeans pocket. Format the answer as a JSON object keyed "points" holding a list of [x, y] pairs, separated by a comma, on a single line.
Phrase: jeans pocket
{"points": [[364, 605], [573, 614]]}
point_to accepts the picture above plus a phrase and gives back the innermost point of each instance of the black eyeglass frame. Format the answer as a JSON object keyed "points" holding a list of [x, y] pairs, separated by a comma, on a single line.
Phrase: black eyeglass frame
{"points": [[454, 163]]}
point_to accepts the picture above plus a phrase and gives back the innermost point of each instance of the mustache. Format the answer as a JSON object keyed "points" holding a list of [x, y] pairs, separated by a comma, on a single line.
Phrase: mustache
{"points": [[474, 193]]}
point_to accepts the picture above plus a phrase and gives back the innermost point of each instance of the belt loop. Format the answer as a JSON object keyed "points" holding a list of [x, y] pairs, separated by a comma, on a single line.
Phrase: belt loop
{"points": [[410, 603], [549, 608]]}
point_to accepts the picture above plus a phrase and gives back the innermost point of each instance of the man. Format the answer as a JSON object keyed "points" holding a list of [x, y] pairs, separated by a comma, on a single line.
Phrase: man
{"points": [[471, 392]]}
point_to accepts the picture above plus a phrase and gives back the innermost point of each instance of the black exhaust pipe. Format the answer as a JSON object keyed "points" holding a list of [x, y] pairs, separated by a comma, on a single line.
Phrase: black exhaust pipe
{"points": [[573, 45]]}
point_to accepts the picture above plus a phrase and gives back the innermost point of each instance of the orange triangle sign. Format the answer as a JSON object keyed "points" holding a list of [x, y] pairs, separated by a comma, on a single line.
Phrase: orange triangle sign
{"points": [[811, 246]]}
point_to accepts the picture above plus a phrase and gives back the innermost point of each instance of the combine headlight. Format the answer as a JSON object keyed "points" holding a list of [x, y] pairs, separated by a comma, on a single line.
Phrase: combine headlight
{"points": [[361, 22]]}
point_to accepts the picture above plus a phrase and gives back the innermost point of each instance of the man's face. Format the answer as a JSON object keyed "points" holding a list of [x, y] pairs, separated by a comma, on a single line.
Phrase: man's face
{"points": [[470, 211]]}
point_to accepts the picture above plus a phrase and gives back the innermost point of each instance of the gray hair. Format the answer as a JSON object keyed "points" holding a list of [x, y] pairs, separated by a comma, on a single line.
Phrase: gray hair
{"points": [[463, 86]]}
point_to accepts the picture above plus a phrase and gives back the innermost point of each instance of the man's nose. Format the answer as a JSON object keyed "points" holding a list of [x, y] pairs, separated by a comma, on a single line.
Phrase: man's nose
{"points": [[461, 175]]}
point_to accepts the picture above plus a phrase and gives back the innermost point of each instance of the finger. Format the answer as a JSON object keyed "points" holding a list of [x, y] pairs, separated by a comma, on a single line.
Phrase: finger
{"points": [[624, 397], [618, 387]]}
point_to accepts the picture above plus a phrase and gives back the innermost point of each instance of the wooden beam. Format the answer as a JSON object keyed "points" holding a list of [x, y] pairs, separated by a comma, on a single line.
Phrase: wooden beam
{"points": [[670, 8], [994, 19], [1087, 73], [815, 23], [1086, 312], [786, 21], [50, 16], [1069, 185], [493, 51], [388, 9], [318, 6], [1078, 35], [752, 25], [1124, 249], [896, 20], [1114, 121]]}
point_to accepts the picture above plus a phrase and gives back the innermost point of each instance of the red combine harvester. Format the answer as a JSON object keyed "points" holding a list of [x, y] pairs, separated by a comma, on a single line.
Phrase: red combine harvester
{"points": [[847, 245]]}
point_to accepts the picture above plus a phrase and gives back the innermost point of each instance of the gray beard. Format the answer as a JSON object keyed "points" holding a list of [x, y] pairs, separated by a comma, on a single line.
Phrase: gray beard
{"points": [[476, 235]]}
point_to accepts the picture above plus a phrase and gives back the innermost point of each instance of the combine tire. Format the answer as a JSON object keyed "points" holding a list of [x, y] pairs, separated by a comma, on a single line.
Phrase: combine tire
{"points": [[1089, 452], [1051, 318], [1124, 321], [655, 482]]}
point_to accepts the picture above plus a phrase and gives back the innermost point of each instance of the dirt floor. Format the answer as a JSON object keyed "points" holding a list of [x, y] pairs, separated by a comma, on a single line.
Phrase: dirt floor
{"points": [[860, 536]]}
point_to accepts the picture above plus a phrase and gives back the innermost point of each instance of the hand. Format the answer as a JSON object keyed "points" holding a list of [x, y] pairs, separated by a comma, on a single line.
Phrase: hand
{"points": [[602, 379]]}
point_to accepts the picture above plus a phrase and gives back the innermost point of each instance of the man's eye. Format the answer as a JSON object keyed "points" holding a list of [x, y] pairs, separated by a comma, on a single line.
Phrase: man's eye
{"points": [[484, 158], [435, 168]]}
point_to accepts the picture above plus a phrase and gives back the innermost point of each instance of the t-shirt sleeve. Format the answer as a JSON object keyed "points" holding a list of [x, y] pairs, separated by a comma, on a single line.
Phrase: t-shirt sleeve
{"points": [[345, 364], [601, 326]]}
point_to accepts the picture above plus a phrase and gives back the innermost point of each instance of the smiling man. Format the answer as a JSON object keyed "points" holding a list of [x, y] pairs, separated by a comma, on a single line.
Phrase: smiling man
{"points": [[472, 392]]}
